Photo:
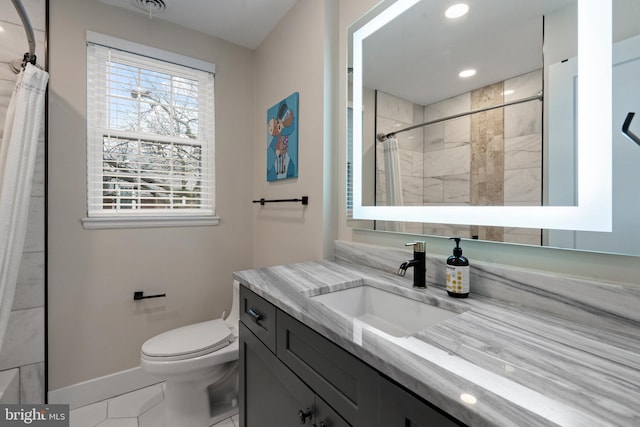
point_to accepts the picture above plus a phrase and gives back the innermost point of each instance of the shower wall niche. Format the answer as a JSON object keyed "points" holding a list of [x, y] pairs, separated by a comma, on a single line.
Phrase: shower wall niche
{"points": [[493, 158]]}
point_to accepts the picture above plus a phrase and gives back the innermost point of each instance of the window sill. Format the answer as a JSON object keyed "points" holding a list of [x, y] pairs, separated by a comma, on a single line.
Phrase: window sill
{"points": [[149, 222]]}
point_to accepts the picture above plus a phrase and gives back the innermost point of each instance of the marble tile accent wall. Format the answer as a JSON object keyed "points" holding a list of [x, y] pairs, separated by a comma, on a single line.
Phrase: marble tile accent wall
{"points": [[487, 155], [22, 355], [491, 158], [487, 147]]}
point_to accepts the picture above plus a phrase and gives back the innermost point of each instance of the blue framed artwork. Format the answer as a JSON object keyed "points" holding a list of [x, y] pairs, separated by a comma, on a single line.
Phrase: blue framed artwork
{"points": [[282, 139]]}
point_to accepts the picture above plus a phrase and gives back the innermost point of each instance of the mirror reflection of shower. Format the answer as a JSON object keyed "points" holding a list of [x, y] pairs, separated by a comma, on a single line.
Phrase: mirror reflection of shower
{"points": [[489, 158], [392, 176]]}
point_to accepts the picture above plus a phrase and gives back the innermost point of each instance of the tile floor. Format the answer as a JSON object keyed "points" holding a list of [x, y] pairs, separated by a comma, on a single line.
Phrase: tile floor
{"points": [[140, 408]]}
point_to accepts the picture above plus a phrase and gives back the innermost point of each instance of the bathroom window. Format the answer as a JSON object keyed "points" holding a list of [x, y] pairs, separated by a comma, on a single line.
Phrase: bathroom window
{"points": [[150, 141]]}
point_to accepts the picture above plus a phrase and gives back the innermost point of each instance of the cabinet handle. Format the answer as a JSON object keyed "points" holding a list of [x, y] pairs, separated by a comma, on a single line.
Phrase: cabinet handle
{"points": [[255, 315], [304, 415]]}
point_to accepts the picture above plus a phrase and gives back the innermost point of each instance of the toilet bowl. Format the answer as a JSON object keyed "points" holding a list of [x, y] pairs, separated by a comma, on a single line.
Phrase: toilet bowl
{"points": [[199, 364]]}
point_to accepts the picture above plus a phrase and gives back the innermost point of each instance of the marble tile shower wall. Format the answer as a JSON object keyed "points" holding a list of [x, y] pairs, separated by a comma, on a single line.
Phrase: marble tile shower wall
{"points": [[523, 151], [447, 160], [22, 356], [436, 160], [395, 113]]}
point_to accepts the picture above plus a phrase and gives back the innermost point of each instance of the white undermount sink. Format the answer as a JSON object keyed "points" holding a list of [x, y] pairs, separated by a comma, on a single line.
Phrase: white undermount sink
{"points": [[391, 313]]}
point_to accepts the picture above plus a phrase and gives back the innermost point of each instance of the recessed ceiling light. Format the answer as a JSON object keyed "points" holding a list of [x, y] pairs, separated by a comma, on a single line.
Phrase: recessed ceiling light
{"points": [[1, 29], [467, 73], [508, 92], [456, 11]]}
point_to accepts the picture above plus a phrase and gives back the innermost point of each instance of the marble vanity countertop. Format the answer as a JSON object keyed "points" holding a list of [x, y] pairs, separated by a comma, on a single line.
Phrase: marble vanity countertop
{"points": [[495, 364]]}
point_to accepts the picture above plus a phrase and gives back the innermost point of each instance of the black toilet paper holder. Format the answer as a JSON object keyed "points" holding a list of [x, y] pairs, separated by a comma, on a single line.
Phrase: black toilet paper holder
{"points": [[138, 295]]}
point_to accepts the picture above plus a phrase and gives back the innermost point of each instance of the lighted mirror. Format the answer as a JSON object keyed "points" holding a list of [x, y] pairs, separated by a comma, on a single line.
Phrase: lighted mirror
{"points": [[587, 206]]}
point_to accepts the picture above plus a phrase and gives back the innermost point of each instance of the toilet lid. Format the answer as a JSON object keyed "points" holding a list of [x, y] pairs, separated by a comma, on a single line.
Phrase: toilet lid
{"points": [[189, 341]]}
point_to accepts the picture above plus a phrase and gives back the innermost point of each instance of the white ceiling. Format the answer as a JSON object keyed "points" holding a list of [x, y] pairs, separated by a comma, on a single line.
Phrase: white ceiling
{"points": [[418, 55], [244, 22], [501, 38]]}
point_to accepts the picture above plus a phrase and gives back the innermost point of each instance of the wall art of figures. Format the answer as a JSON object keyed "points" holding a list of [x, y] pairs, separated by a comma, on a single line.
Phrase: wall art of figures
{"points": [[282, 139]]}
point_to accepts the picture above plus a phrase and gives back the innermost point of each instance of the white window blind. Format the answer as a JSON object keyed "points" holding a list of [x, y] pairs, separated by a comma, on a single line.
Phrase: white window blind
{"points": [[150, 137]]}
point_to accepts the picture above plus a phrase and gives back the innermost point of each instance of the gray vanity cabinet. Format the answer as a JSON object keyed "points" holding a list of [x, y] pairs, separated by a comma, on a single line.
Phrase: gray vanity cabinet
{"points": [[272, 395], [290, 375]]}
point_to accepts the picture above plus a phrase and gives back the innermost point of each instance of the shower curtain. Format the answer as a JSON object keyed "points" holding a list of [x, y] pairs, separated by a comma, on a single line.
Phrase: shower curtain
{"points": [[17, 161], [393, 180]]}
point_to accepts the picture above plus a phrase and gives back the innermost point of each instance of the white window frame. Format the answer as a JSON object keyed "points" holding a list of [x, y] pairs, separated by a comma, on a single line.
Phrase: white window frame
{"points": [[98, 218]]}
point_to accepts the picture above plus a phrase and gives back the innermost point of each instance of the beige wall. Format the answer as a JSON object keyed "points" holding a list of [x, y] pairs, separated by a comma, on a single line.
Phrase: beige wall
{"points": [[606, 267], [292, 59], [95, 328]]}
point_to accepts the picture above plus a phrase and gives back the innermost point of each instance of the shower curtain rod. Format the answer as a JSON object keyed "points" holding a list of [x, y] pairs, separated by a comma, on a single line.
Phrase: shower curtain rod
{"points": [[382, 136], [30, 56]]}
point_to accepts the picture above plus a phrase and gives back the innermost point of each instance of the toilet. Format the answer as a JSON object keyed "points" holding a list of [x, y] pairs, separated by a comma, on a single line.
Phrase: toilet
{"points": [[199, 364]]}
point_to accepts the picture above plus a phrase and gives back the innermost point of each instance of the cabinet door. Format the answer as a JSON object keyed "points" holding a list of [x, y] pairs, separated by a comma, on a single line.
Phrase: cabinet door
{"points": [[327, 417], [339, 378], [270, 394], [398, 408]]}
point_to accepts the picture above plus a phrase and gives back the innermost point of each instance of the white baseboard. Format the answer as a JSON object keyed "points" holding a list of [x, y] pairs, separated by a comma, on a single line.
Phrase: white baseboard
{"points": [[102, 388]]}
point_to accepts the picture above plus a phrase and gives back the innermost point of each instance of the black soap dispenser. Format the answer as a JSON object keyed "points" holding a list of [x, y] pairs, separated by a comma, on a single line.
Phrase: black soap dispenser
{"points": [[457, 273]]}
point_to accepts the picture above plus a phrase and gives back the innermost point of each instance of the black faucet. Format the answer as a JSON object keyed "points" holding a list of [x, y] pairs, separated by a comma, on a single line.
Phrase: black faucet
{"points": [[418, 263]]}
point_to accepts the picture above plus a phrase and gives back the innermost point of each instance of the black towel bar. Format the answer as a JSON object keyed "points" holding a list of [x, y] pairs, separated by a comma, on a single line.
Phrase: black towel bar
{"points": [[304, 200]]}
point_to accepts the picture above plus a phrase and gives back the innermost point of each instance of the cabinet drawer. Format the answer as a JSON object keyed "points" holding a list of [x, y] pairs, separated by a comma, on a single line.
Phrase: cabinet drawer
{"points": [[259, 316], [347, 384], [399, 408]]}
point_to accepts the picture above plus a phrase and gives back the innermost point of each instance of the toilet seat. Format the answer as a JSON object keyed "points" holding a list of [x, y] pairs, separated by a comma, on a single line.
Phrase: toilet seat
{"points": [[188, 341]]}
